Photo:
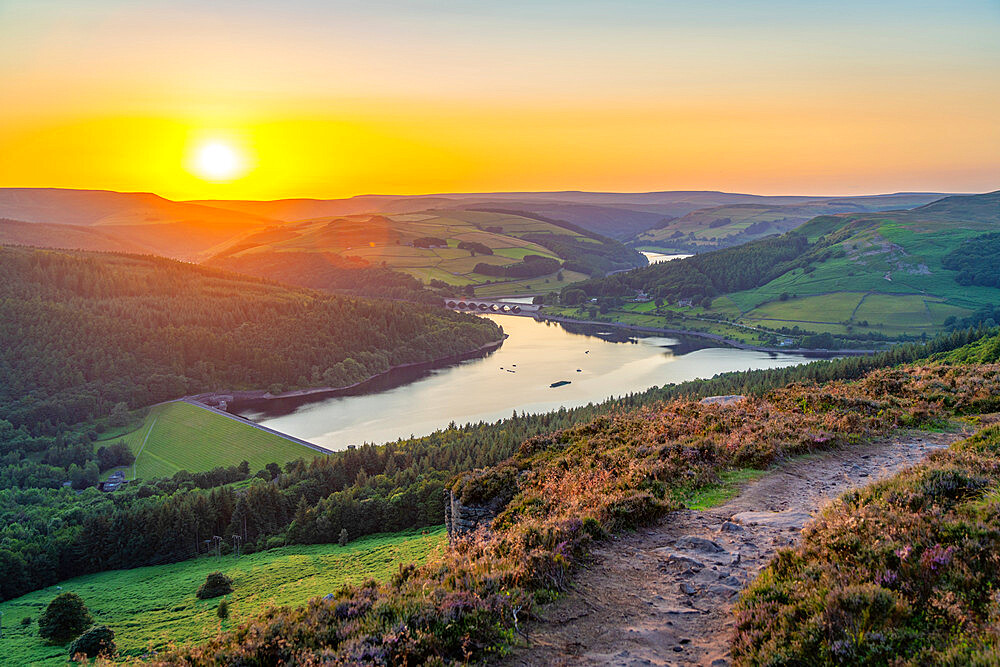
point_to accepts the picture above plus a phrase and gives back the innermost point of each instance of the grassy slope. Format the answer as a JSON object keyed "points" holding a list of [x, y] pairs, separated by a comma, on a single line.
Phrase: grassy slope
{"points": [[378, 239], [901, 571], [882, 273], [181, 436], [890, 269], [151, 606]]}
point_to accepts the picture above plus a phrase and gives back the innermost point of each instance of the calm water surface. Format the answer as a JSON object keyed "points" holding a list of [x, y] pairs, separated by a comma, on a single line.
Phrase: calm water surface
{"points": [[515, 377], [657, 257]]}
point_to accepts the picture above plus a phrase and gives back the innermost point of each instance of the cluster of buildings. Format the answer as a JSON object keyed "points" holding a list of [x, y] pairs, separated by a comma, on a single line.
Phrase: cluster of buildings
{"points": [[115, 480]]}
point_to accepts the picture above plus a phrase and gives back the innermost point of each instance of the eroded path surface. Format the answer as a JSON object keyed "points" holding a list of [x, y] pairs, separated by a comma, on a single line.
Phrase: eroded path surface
{"points": [[664, 595]]}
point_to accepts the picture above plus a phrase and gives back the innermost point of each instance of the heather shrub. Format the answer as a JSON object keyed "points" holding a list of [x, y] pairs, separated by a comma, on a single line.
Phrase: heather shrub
{"points": [[904, 571], [561, 491], [481, 487]]}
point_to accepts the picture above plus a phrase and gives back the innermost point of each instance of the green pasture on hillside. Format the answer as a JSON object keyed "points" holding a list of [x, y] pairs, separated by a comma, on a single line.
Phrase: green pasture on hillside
{"points": [[149, 607], [828, 308], [182, 436], [530, 285]]}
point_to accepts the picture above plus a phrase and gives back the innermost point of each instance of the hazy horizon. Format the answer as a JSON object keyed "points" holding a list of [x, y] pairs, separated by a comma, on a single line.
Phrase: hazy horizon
{"points": [[486, 193]]}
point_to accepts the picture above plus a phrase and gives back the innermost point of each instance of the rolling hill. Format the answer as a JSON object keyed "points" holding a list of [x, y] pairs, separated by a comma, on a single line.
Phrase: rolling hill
{"points": [[457, 247], [731, 224], [618, 215], [889, 265], [194, 230], [880, 273], [136, 220]]}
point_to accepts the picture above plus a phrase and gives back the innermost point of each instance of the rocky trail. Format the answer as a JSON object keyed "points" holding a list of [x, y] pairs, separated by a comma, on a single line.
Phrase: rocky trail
{"points": [[664, 595]]}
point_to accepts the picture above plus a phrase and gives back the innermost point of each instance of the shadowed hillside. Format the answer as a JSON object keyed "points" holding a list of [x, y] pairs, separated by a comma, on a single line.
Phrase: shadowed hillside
{"points": [[137, 220]]}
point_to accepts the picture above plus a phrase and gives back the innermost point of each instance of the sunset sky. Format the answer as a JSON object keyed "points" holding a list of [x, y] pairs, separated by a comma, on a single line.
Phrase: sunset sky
{"points": [[332, 99]]}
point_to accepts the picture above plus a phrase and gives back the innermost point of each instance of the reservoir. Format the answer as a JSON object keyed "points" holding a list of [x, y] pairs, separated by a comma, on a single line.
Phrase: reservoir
{"points": [[540, 367], [659, 257]]}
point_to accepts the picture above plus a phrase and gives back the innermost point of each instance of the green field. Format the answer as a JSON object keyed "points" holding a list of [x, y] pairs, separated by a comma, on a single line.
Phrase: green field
{"points": [[148, 607], [540, 285], [830, 308], [892, 314], [182, 436]]}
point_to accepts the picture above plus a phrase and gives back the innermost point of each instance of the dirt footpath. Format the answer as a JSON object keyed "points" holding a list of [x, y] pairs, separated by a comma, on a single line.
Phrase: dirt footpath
{"points": [[664, 595]]}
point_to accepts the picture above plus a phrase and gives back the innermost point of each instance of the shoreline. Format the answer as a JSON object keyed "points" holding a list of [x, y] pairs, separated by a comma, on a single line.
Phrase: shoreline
{"points": [[224, 400], [808, 352]]}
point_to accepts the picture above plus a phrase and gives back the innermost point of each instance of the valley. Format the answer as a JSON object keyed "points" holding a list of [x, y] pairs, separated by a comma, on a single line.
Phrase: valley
{"points": [[114, 476], [406, 334], [835, 281]]}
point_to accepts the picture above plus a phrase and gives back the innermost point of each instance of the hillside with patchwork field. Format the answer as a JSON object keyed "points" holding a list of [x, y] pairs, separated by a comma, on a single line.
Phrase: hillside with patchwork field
{"points": [[863, 276], [886, 270], [452, 247]]}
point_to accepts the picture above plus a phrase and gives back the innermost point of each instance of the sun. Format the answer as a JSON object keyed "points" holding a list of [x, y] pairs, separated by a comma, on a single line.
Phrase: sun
{"points": [[218, 161]]}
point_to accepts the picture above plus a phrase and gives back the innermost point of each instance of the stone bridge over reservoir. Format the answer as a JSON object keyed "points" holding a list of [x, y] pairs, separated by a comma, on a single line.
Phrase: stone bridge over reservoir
{"points": [[492, 306]]}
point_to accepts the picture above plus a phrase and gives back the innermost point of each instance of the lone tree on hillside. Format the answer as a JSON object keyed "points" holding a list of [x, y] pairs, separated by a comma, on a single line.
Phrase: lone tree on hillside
{"points": [[216, 584], [65, 618], [223, 610], [343, 537], [97, 642]]}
